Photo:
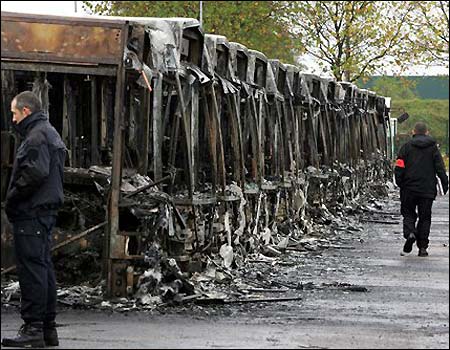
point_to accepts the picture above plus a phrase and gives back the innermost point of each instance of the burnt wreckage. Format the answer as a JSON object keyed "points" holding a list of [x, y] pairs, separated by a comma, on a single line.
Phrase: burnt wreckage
{"points": [[182, 144]]}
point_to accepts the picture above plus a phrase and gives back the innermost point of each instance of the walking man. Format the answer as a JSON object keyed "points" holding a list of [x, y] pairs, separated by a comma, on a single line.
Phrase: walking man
{"points": [[418, 163], [34, 196]]}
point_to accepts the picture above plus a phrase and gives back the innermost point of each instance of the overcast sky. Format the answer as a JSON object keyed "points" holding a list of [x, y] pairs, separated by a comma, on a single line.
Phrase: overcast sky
{"points": [[67, 8], [43, 7]]}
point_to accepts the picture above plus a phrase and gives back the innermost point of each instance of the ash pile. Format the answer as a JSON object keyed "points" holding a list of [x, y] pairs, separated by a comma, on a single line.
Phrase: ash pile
{"points": [[239, 255]]}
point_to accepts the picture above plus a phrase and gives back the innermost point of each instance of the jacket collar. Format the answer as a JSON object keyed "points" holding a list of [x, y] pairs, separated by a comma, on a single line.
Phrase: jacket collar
{"points": [[24, 127]]}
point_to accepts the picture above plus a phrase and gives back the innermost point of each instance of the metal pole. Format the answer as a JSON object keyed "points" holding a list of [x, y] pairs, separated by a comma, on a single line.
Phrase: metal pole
{"points": [[112, 242], [446, 139], [201, 14], [76, 8]]}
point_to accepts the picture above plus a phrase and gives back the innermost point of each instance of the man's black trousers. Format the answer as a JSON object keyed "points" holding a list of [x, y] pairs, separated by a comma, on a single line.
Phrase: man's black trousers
{"points": [[32, 241], [409, 203]]}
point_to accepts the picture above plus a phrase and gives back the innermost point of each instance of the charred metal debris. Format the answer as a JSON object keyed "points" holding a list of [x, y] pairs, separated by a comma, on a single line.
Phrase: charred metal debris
{"points": [[189, 155]]}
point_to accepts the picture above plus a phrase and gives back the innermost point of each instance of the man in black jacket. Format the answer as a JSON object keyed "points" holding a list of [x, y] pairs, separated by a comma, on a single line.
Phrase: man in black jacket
{"points": [[418, 163], [34, 196]]}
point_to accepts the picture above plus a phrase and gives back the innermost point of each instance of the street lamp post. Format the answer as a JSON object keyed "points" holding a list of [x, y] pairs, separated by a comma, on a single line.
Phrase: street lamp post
{"points": [[201, 14]]}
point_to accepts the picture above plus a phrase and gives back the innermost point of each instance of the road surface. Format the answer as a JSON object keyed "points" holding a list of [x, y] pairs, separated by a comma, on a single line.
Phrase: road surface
{"points": [[406, 304]]}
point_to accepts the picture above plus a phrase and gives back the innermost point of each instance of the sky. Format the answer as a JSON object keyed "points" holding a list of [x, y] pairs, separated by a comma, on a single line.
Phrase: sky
{"points": [[67, 8]]}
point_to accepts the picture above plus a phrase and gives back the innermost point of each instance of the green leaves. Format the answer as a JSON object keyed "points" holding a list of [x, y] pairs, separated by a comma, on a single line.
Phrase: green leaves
{"points": [[259, 25], [396, 88], [354, 39], [429, 37], [359, 35]]}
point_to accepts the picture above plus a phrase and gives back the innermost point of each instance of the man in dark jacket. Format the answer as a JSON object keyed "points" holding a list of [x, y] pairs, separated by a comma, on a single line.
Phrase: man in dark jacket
{"points": [[34, 196], [418, 163]]}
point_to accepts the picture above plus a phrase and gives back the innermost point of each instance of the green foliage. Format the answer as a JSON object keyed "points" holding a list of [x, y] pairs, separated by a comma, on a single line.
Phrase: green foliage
{"points": [[353, 39], [424, 87], [395, 88], [429, 32], [259, 25], [433, 112]]}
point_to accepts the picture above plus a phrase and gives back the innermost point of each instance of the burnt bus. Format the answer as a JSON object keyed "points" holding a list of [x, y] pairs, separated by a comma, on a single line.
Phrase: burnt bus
{"points": [[180, 143], [116, 92]]}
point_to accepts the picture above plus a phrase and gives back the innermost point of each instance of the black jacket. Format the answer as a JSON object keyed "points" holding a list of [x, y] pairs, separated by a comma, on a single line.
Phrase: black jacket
{"points": [[418, 163], [36, 186]]}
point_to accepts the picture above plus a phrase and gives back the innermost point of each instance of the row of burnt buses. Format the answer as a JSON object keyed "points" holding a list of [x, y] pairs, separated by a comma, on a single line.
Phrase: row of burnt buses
{"points": [[229, 135]]}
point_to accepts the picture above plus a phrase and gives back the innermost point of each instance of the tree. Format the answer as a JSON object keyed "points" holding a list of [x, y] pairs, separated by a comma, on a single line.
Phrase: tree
{"points": [[259, 25], [430, 32], [353, 39], [395, 87]]}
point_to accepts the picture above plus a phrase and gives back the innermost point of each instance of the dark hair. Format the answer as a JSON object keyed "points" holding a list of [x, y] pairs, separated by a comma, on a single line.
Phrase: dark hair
{"points": [[420, 128], [29, 100]]}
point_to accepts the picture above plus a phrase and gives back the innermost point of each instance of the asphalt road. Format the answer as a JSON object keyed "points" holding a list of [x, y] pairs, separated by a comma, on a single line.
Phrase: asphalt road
{"points": [[406, 304]]}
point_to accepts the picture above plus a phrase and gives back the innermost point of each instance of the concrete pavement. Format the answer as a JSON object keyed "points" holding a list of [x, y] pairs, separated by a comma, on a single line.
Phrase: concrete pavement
{"points": [[406, 305]]}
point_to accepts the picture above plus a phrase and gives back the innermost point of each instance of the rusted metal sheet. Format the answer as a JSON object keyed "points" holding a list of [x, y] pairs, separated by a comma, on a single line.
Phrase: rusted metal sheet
{"points": [[94, 69], [36, 39]]}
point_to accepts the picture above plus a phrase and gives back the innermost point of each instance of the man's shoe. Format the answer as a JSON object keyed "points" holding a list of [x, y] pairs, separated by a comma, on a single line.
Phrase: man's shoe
{"points": [[50, 334], [29, 335], [423, 252], [407, 248]]}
